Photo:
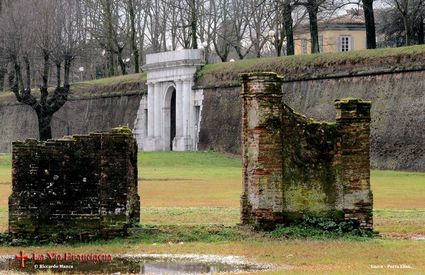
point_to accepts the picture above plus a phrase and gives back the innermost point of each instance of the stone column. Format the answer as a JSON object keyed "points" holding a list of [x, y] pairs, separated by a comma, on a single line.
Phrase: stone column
{"points": [[185, 110], [352, 160], [261, 200], [187, 88], [179, 108], [178, 143], [158, 107], [192, 117], [150, 109]]}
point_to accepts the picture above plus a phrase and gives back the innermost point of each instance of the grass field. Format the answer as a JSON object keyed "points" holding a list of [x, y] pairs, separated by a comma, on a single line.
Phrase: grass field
{"points": [[194, 198]]}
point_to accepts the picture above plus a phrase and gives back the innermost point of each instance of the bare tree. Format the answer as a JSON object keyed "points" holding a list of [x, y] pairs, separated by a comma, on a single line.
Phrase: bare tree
{"points": [[154, 14], [48, 21], [288, 25], [259, 13], [194, 23], [142, 19], [133, 40], [312, 7], [221, 29], [282, 27], [410, 11], [239, 27], [369, 23]]}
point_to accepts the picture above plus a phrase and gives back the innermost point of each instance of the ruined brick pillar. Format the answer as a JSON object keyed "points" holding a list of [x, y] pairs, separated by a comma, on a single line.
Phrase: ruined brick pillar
{"points": [[261, 200], [296, 168], [74, 188], [352, 160]]}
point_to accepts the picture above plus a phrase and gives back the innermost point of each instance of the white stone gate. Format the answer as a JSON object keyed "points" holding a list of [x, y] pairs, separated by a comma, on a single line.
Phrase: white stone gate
{"points": [[168, 117]]}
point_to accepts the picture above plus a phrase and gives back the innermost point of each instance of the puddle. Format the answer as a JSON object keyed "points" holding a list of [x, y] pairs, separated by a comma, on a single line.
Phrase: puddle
{"points": [[140, 264]]}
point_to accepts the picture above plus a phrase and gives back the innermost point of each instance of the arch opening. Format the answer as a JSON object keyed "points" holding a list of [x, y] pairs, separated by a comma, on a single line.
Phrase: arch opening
{"points": [[169, 118]]}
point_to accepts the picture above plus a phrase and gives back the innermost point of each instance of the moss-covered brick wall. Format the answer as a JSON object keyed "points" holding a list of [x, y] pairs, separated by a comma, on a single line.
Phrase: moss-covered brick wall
{"points": [[295, 167], [74, 188]]}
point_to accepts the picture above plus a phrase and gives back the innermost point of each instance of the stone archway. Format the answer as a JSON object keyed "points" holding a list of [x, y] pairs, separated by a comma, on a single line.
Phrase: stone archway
{"points": [[170, 77], [169, 118]]}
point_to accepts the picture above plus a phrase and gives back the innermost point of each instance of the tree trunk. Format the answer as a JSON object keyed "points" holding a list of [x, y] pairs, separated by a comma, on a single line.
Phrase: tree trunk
{"points": [[58, 74], [46, 65], [67, 69], [193, 24], [18, 76], [421, 34], [369, 23], [28, 72], [109, 37], [279, 43], [121, 62], [312, 10], [2, 74], [133, 36], [408, 30], [289, 32], [44, 128]]}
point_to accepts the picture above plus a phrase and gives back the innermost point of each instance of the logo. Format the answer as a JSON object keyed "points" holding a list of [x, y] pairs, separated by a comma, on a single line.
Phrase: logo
{"points": [[59, 259], [22, 257]]}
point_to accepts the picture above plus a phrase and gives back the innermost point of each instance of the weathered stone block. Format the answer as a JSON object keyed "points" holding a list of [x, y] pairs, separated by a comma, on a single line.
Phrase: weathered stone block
{"points": [[78, 187]]}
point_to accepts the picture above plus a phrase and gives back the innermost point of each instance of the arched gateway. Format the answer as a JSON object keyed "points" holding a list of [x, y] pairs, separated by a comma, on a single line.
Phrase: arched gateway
{"points": [[168, 117]]}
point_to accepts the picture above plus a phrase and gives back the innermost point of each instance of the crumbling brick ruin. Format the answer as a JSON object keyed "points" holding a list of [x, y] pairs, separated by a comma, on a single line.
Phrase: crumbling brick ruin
{"points": [[295, 167], [74, 188]]}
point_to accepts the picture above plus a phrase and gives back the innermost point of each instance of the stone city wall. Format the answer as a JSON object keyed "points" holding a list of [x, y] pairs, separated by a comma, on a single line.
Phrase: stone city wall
{"points": [[74, 188], [295, 167], [393, 79]]}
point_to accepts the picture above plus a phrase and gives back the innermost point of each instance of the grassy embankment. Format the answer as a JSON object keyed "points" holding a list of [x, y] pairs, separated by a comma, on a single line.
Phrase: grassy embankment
{"points": [[118, 85], [316, 65], [194, 198], [292, 67]]}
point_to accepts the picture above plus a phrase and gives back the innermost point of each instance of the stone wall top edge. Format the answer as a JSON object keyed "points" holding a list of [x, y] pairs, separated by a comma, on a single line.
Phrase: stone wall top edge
{"points": [[173, 64], [120, 132], [270, 76], [232, 83], [90, 97], [351, 101], [185, 54]]}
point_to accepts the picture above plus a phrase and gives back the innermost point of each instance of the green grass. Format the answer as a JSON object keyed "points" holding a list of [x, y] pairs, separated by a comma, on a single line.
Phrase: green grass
{"points": [[108, 81], [312, 64], [398, 190], [228, 216], [93, 88], [5, 168], [5, 161], [190, 166], [109, 86]]}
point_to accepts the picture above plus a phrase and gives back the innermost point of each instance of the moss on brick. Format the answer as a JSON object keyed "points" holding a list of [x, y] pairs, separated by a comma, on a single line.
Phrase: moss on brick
{"points": [[76, 188], [297, 167]]}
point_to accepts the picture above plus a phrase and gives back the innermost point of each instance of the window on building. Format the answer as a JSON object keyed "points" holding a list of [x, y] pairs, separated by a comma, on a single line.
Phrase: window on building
{"points": [[345, 43], [303, 46]]}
